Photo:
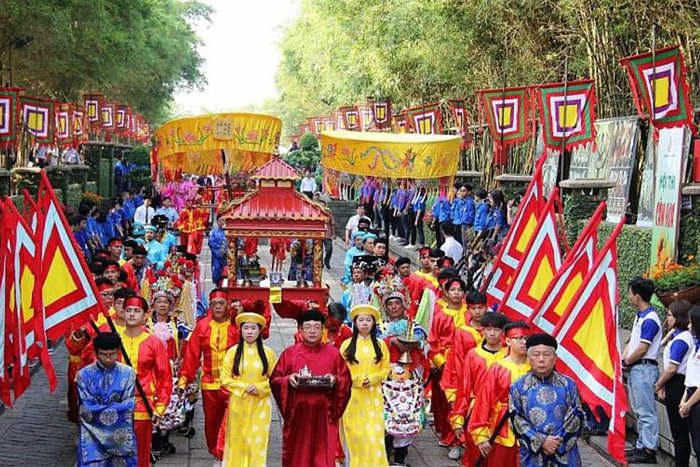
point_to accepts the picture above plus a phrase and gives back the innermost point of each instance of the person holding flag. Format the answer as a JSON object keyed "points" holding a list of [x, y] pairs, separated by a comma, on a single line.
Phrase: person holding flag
{"points": [[207, 346], [149, 359], [488, 425], [545, 410], [470, 375]]}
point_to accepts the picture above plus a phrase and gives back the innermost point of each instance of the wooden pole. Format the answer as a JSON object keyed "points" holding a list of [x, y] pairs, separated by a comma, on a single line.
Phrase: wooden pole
{"points": [[652, 100], [563, 158]]}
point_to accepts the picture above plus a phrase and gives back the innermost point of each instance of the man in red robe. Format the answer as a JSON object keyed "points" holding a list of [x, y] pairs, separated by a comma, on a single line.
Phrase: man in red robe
{"points": [[335, 331], [192, 224], [468, 335], [449, 315], [311, 415], [150, 361], [488, 425], [207, 346], [470, 375]]}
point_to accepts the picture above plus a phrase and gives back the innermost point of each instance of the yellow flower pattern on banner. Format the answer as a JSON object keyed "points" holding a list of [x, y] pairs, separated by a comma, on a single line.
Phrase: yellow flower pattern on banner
{"points": [[390, 155], [194, 144]]}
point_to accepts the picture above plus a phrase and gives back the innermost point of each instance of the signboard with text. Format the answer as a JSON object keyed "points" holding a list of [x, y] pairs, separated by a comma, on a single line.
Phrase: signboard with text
{"points": [[668, 180]]}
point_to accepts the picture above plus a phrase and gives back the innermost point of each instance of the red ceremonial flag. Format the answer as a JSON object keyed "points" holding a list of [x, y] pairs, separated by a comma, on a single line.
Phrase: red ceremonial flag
{"points": [[69, 294], [517, 238], [569, 277], [351, 116], [64, 125], [400, 123], [382, 114], [540, 261], [339, 119], [25, 302], [588, 343], [366, 113], [458, 107], [79, 125], [7, 351], [93, 108], [425, 119]]}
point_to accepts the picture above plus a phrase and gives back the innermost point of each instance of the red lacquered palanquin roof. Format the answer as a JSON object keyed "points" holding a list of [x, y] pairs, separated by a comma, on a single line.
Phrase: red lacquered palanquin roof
{"points": [[275, 210], [276, 169]]}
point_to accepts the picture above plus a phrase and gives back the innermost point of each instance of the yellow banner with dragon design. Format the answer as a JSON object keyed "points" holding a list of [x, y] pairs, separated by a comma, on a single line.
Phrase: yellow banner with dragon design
{"points": [[390, 155], [194, 144]]}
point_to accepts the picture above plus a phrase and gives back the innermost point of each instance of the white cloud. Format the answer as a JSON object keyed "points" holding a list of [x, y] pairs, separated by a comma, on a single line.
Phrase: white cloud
{"points": [[241, 53]]}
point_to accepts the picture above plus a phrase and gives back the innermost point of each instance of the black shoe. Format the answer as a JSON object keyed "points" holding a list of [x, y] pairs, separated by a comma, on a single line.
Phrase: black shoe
{"points": [[186, 431], [642, 457], [630, 451], [328, 266], [169, 449], [156, 456]]}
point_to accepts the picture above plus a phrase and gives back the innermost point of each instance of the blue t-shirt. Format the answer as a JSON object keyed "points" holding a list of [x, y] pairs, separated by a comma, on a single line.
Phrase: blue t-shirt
{"points": [[445, 209], [468, 210], [481, 218], [455, 211]]}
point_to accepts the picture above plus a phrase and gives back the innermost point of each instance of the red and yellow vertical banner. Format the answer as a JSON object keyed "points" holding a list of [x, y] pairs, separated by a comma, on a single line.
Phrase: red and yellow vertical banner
{"points": [[567, 113], [426, 119], [351, 117], [382, 114], [507, 112], [9, 112], [93, 106], [659, 86], [38, 118], [64, 124]]}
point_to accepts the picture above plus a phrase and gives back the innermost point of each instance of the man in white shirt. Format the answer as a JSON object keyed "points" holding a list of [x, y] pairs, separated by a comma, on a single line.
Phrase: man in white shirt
{"points": [[352, 226], [451, 247], [640, 356], [145, 212], [308, 184], [168, 211]]}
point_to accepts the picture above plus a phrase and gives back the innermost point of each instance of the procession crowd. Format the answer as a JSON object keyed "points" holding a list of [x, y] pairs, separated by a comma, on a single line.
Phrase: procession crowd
{"points": [[366, 375]]}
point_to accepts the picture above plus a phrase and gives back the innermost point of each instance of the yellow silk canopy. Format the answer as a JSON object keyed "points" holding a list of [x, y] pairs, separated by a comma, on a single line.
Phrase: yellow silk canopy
{"points": [[390, 155], [194, 144]]}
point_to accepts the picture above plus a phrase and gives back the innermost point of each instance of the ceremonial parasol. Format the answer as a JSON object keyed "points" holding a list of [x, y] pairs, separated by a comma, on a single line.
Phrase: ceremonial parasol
{"points": [[215, 144], [391, 155]]}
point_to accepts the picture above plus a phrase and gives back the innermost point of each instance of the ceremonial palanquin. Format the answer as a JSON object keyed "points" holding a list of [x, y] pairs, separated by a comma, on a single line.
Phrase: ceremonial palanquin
{"points": [[277, 212]]}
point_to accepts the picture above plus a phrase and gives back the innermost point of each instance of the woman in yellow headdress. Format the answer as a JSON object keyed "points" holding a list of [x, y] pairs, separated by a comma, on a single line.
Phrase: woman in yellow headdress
{"points": [[363, 420], [245, 373]]}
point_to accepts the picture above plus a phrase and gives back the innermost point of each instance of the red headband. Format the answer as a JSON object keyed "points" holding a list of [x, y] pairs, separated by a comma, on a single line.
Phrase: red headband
{"points": [[517, 332], [112, 266], [115, 242], [104, 286], [424, 250], [137, 302], [218, 294]]}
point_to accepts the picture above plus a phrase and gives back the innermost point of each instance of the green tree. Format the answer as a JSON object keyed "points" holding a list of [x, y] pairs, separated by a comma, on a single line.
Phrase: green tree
{"points": [[138, 52], [308, 156], [338, 52]]}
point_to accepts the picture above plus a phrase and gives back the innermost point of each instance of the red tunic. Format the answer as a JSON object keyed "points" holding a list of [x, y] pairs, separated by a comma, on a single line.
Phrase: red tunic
{"points": [[465, 339], [207, 345], [311, 416], [416, 286], [150, 361], [490, 405], [440, 339], [478, 360]]}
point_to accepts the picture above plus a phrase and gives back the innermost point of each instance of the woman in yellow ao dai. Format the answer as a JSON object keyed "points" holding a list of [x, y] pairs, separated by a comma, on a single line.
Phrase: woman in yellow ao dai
{"points": [[363, 420], [245, 373]]}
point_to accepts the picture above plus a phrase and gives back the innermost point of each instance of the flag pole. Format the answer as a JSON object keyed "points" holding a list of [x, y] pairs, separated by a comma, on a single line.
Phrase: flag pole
{"points": [[564, 169], [652, 100]]}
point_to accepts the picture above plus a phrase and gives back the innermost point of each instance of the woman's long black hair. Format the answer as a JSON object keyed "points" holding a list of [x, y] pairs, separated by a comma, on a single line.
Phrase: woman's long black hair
{"points": [[352, 347], [239, 354], [694, 316]]}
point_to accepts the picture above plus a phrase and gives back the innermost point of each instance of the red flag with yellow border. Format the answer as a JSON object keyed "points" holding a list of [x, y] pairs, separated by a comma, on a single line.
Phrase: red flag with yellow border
{"points": [[588, 343], [541, 260], [569, 277], [517, 238], [69, 293]]}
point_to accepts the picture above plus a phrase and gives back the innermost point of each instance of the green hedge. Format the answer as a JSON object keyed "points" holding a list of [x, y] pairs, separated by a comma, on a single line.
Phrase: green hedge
{"points": [[75, 195], [689, 236], [4, 183], [633, 246]]}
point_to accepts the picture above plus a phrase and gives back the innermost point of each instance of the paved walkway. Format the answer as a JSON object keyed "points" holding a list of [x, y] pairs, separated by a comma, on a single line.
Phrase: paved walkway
{"points": [[36, 432]]}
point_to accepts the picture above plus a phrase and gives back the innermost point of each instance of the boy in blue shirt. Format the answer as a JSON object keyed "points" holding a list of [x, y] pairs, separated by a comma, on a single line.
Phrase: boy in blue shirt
{"points": [[456, 212], [483, 209]]}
